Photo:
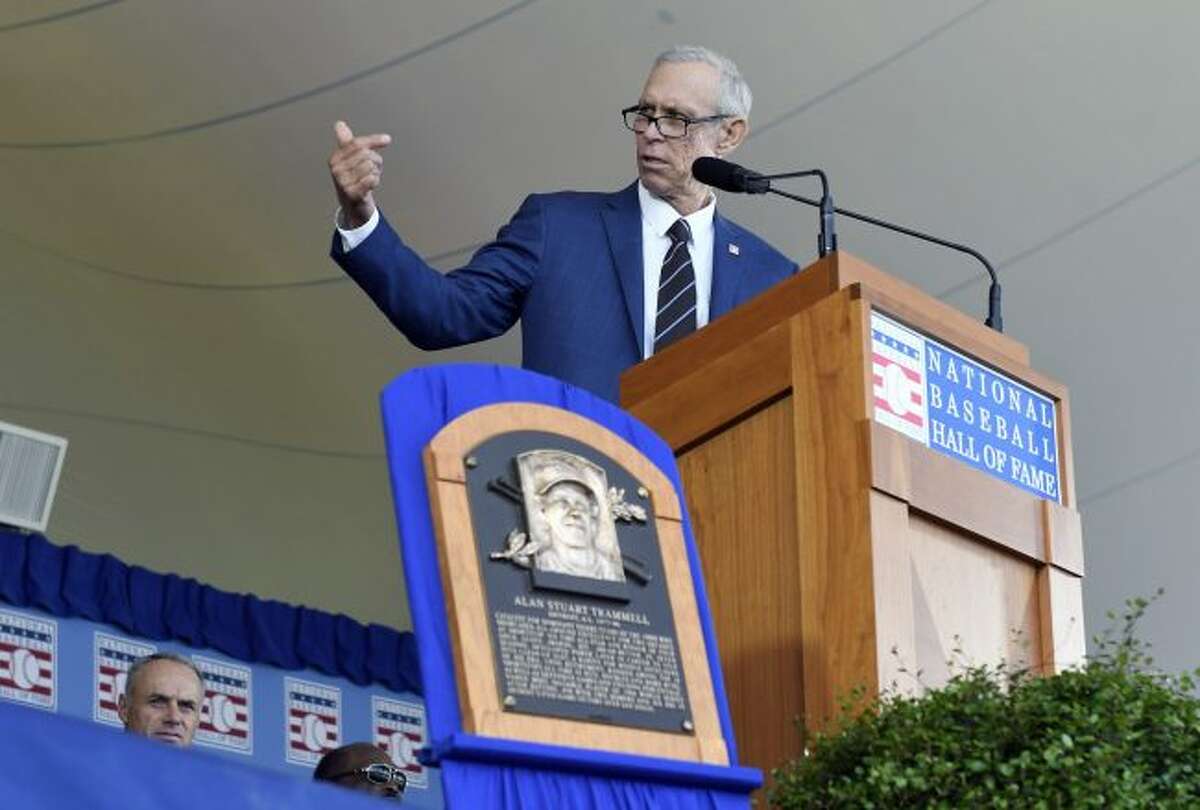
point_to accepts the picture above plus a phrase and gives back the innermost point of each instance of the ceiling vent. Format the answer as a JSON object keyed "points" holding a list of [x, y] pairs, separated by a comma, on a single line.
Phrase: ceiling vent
{"points": [[30, 463]]}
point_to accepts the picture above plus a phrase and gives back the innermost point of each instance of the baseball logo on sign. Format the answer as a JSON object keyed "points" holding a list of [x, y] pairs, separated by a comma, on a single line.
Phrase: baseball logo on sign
{"points": [[400, 731], [314, 720], [27, 660], [225, 715], [898, 371], [112, 658]]}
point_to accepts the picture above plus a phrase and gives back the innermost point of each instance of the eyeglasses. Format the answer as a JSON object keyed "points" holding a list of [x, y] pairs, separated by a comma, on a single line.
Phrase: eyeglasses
{"points": [[380, 773], [669, 126]]}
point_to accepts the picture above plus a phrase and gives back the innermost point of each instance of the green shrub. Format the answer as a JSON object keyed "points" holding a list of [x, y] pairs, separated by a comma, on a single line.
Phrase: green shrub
{"points": [[1113, 733]]}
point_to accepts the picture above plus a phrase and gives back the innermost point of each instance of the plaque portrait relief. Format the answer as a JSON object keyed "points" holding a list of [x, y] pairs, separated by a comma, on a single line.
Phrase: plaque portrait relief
{"points": [[571, 532], [570, 513]]}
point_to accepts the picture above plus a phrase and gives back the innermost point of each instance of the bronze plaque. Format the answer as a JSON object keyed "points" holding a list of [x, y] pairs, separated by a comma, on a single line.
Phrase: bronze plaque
{"points": [[580, 616]]}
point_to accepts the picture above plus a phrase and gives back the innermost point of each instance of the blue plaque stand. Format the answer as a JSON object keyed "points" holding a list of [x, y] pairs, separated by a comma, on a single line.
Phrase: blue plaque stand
{"points": [[480, 771]]}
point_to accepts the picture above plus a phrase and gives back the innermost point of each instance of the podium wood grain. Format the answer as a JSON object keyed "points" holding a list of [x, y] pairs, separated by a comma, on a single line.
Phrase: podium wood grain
{"points": [[838, 553]]}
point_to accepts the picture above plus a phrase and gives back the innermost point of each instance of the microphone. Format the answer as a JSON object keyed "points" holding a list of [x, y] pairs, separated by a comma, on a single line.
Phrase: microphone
{"points": [[726, 176]]}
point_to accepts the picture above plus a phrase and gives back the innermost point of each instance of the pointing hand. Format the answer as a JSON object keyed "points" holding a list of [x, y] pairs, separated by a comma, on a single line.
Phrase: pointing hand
{"points": [[356, 168]]}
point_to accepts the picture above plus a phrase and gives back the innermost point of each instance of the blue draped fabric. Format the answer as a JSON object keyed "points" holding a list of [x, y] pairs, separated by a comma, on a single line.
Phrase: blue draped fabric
{"points": [[485, 785], [476, 771], [52, 761], [65, 581]]}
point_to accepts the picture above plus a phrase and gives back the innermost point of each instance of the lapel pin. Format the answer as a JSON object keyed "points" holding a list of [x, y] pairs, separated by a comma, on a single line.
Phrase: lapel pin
{"points": [[734, 249]]}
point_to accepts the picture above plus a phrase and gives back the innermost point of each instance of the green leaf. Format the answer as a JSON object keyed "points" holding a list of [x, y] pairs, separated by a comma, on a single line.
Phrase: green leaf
{"points": [[1114, 733]]}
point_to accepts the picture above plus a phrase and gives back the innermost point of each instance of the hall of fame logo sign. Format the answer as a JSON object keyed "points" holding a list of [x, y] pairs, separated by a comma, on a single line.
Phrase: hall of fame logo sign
{"points": [[314, 720], [963, 409], [28, 653], [898, 367], [225, 714], [112, 658], [400, 732]]}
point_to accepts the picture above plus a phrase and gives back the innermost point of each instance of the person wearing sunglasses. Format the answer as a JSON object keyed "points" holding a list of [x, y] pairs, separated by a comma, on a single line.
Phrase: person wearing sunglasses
{"points": [[599, 281], [363, 767]]}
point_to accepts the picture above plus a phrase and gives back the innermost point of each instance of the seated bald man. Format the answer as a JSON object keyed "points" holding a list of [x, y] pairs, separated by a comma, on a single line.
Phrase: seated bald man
{"points": [[363, 767], [162, 698]]}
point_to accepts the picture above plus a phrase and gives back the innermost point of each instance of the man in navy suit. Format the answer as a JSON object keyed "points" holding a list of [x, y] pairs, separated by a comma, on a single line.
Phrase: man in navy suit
{"points": [[600, 281]]}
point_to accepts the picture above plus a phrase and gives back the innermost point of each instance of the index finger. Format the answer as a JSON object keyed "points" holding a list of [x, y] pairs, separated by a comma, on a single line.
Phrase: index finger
{"points": [[377, 141]]}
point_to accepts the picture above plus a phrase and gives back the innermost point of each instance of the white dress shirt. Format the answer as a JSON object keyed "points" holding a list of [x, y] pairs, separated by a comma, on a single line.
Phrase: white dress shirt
{"points": [[353, 237], [657, 218]]}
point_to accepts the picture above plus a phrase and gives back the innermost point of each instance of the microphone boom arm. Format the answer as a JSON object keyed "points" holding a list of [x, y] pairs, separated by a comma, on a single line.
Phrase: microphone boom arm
{"points": [[827, 238], [994, 319]]}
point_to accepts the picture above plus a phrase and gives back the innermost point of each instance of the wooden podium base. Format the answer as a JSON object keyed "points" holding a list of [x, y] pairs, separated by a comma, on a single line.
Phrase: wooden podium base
{"points": [[838, 553]]}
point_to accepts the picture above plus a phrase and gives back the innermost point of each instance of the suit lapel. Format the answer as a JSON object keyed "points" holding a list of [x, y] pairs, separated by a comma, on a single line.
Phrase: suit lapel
{"points": [[727, 269], [623, 223]]}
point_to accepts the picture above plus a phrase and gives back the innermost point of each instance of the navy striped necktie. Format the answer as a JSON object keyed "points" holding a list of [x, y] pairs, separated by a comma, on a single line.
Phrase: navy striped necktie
{"points": [[676, 290]]}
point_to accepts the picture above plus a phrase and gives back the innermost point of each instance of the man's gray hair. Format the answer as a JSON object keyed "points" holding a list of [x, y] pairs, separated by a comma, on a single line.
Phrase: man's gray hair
{"points": [[141, 663], [734, 96]]}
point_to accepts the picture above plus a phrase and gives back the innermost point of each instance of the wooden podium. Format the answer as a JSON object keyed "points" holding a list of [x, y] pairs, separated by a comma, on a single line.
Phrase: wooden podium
{"points": [[839, 553]]}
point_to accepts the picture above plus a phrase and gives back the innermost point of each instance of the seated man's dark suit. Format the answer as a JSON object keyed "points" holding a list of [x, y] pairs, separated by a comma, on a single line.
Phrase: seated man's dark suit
{"points": [[569, 265]]}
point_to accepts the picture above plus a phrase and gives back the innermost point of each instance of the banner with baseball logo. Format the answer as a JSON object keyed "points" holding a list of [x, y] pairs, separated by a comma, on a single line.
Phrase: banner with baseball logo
{"points": [[282, 718]]}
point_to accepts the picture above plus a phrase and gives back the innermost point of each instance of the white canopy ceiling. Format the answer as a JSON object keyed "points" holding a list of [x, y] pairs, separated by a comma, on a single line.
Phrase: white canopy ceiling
{"points": [[166, 300]]}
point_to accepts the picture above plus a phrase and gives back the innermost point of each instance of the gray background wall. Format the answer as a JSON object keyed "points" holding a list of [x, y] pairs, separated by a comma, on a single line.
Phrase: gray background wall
{"points": [[166, 301]]}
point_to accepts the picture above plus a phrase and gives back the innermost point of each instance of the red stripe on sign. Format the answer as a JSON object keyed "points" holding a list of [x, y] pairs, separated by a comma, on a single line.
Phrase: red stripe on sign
{"points": [[233, 732], [297, 736], [240, 716], [41, 655], [297, 714], [887, 361], [34, 690], [908, 417]]}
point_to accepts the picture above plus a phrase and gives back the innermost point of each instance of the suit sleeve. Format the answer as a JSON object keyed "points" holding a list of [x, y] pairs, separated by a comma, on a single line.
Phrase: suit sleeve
{"points": [[480, 300]]}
